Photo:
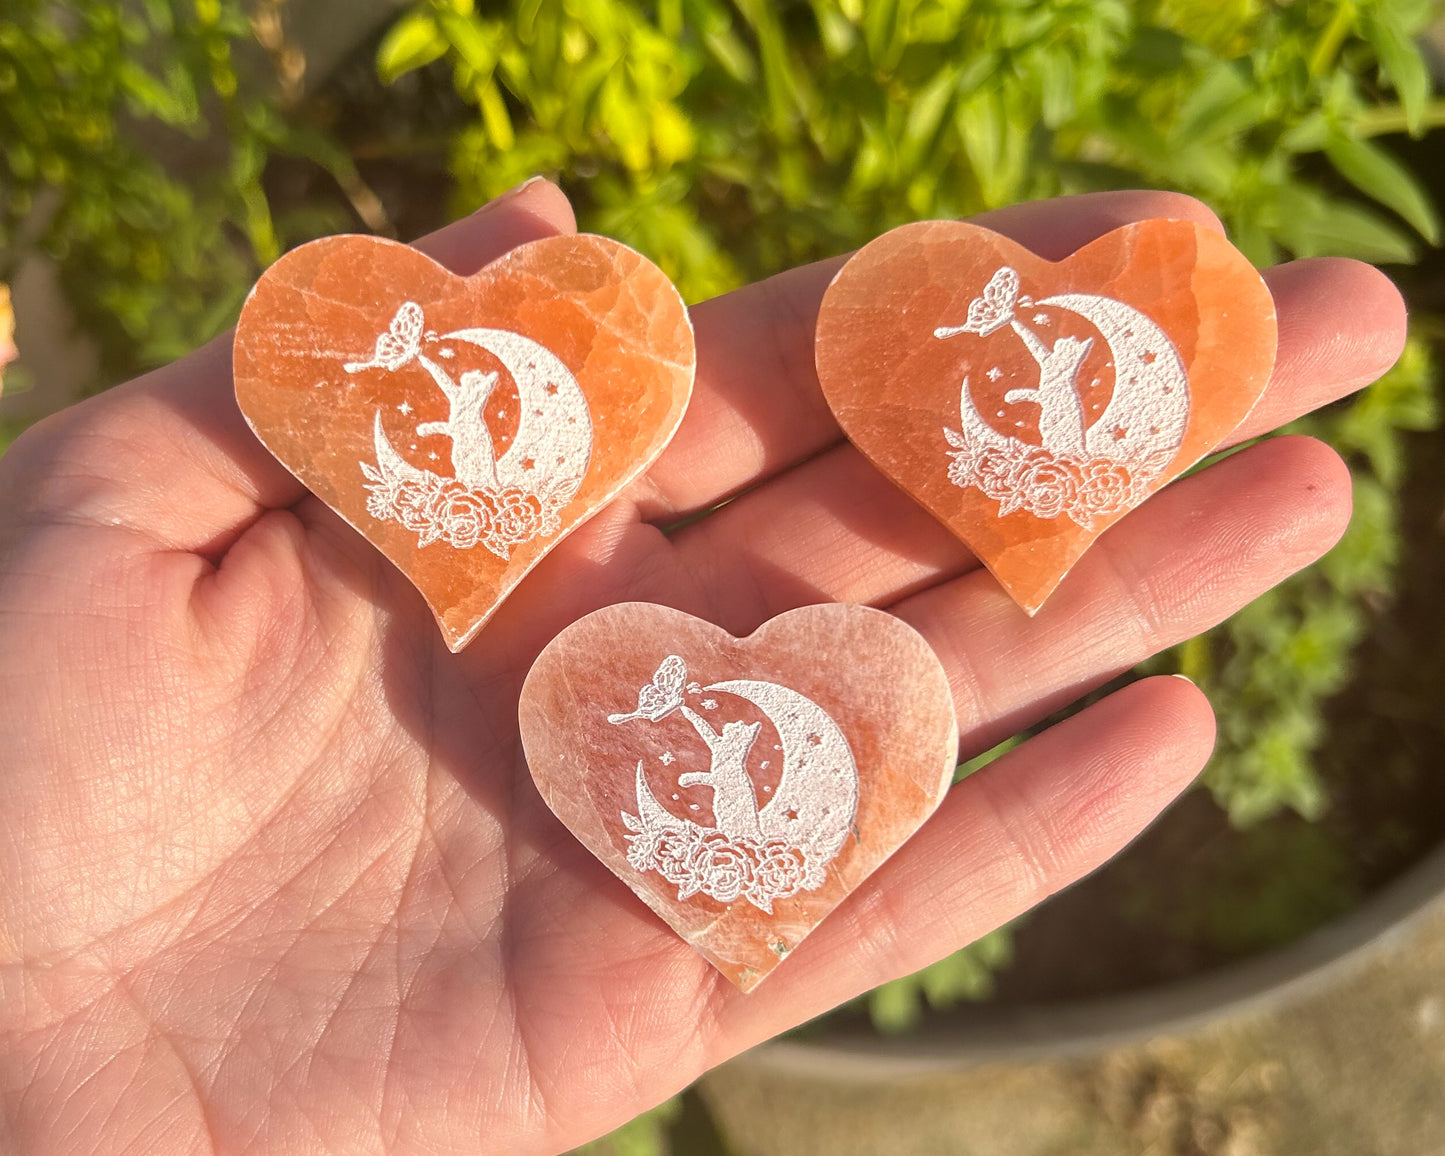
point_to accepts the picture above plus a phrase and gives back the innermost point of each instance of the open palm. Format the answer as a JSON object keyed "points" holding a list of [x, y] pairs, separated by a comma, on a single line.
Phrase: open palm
{"points": [[275, 876]]}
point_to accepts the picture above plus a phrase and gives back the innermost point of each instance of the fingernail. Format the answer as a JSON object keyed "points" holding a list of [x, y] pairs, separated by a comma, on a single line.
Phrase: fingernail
{"points": [[1185, 678], [514, 191]]}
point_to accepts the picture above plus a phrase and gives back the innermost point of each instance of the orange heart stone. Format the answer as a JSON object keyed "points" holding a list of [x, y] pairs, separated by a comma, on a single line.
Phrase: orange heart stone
{"points": [[1030, 404], [464, 425], [741, 787]]}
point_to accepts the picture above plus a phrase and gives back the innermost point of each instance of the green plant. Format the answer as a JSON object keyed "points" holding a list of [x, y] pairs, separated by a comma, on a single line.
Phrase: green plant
{"points": [[155, 257], [730, 140], [645, 1135], [965, 975], [1271, 667]]}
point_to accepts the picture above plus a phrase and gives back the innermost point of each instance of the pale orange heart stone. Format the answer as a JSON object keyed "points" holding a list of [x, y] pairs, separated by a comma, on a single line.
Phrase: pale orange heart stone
{"points": [[741, 787], [1030, 404], [464, 425]]}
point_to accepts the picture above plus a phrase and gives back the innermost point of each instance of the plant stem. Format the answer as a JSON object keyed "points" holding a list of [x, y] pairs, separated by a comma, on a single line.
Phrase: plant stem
{"points": [[1390, 118]]}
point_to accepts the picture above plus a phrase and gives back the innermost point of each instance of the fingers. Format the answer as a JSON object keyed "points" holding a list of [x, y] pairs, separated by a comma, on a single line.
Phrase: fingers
{"points": [[1177, 566], [1341, 325], [757, 407], [833, 528], [1030, 823], [534, 209], [170, 455]]}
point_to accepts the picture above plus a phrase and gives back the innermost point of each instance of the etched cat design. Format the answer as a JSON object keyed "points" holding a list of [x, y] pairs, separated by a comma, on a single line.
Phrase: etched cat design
{"points": [[761, 854]]}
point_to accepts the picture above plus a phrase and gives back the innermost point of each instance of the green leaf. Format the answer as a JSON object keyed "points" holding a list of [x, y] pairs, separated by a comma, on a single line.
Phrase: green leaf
{"points": [[730, 52], [1156, 51], [967, 974], [879, 23], [895, 1007], [1307, 135], [172, 105], [413, 42], [1379, 175], [835, 30], [1317, 226], [495, 117], [1222, 103], [928, 110], [1403, 65], [646, 1135], [471, 40]]}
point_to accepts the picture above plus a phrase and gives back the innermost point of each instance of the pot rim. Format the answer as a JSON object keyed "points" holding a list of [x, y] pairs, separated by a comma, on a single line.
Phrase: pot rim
{"points": [[985, 1033]]}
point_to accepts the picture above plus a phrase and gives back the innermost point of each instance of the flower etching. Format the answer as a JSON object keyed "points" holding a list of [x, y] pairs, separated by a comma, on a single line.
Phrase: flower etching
{"points": [[1106, 487], [1051, 482], [756, 854], [1082, 470], [493, 502], [726, 867]]}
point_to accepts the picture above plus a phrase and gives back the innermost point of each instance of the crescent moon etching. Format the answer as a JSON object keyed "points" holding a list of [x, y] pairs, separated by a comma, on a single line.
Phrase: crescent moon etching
{"points": [[495, 502], [1082, 470], [760, 854]]}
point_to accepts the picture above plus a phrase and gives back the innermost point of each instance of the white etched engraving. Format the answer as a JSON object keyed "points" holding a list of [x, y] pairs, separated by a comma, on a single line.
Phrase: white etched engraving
{"points": [[761, 854], [1083, 470], [489, 501]]}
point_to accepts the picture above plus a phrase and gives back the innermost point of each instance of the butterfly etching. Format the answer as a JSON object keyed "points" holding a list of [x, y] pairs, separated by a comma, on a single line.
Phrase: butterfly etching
{"points": [[1081, 469], [757, 853], [496, 502], [399, 344]]}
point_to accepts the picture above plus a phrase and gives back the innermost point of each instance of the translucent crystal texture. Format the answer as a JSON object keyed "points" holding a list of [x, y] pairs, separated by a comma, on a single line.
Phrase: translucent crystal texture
{"points": [[464, 425], [741, 787], [1030, 404]]}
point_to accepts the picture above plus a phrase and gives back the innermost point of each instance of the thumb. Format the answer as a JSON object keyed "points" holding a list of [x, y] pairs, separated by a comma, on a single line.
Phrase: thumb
{"points": [[178, 430], [534, 209]]}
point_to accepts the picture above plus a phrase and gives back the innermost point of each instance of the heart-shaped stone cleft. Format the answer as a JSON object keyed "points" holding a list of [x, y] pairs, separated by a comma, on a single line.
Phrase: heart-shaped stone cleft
{"points": [[464, 425], [741, 787], [1030, 404]]}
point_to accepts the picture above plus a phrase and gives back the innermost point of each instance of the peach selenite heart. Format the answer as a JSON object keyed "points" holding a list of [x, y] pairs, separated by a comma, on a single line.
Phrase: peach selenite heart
{"points": [[741, 787], [1029, 404], [464, 425]]}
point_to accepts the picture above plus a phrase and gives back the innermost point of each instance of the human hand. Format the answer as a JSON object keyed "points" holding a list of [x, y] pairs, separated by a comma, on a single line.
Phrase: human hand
{"points": [[275, 876]]}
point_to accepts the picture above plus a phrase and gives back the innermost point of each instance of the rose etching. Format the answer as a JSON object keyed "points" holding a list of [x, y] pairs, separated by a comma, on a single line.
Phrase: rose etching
{"points": [[496, 502], [756, 853], [1081, 470]]}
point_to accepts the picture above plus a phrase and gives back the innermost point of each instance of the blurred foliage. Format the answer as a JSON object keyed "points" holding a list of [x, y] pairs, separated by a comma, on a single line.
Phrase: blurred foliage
{"points": [[729, 139], [965, 975], [645, 1135], [155, 256], [1270, 668]]}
